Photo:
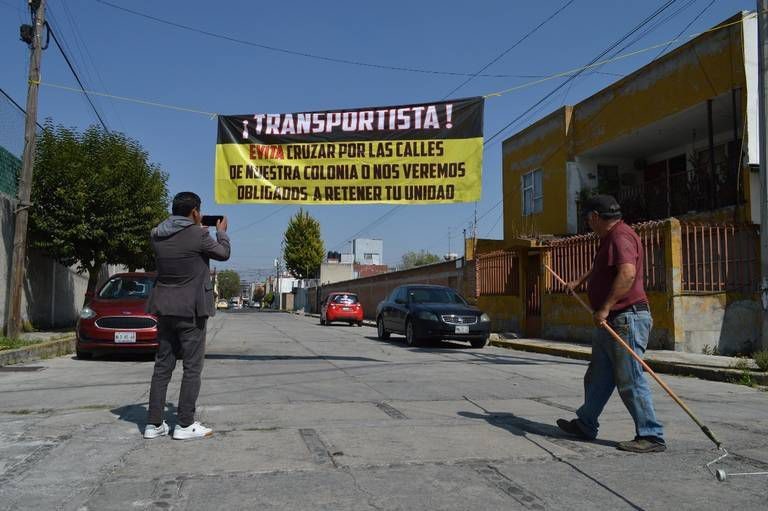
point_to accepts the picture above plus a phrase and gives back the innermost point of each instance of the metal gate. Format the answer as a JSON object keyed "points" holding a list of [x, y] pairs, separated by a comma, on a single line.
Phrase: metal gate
{"points": [[533, 296]]}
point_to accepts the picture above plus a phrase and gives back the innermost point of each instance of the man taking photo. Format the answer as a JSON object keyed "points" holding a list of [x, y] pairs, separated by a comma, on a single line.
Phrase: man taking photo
{"points": [[616, 294], [182, 300]]}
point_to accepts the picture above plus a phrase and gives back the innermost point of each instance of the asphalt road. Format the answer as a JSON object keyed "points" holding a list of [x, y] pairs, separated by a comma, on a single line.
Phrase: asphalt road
{"points": [[330, 418]]}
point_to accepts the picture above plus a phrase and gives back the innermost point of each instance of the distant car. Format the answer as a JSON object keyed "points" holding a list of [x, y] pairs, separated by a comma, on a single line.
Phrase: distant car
{"points": [[341, 307], [426, 312], [234, 303], [222, 304], [253, 304], [114, 319]]}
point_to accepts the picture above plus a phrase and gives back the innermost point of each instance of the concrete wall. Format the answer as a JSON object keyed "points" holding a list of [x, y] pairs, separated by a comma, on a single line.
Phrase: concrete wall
{"points": [[563, 318], [729, 322], [53, 294], [505, 312], [336, 272]]}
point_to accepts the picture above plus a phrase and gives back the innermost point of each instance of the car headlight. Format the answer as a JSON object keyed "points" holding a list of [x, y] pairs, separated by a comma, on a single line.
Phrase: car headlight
{"points": [[484, 318], [87, 313], [428, 316]]}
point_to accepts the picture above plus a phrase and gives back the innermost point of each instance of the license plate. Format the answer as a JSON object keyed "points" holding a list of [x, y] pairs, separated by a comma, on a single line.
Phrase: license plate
{"points": [[125, 337], [462, 329], [346, 308]]}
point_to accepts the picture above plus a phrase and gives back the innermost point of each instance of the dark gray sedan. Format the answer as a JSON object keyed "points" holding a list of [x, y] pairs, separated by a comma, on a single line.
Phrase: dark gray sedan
{"points": [[426, 312]]}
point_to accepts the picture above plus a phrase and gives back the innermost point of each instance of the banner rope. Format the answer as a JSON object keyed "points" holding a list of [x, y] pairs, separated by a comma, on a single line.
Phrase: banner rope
{"points": [[213, 115]]}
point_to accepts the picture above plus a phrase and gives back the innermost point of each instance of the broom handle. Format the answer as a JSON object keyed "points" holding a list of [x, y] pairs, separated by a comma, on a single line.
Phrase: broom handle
{"points": [[637, 357]]}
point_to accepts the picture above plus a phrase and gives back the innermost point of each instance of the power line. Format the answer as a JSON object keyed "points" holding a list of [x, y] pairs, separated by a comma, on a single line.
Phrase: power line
{"points": [[516, 44], [569, 73], [298, 53], [9, 98], [694, 20], [367, 227], [80, 83], [260, 220], [80, 43], [595, 61], [592, 62], [548, 95]]}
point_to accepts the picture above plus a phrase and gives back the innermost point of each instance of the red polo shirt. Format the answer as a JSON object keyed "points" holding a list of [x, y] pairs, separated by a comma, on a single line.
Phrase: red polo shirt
{"points": [[621, 245]]}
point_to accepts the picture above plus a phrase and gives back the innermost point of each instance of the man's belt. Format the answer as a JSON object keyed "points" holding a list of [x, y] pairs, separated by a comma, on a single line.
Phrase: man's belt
{"points": [[638, 307]]}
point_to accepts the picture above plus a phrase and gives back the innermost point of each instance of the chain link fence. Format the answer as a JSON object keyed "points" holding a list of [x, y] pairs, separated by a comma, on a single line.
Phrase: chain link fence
{"points": [[11, 145]]}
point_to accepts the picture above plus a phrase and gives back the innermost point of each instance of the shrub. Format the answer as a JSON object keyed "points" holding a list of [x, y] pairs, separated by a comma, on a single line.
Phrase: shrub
{"points": [[761, 359]]}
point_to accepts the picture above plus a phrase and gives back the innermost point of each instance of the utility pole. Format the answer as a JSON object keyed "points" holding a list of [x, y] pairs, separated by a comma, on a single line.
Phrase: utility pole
{"points": [[762, 64], [34, 37]]}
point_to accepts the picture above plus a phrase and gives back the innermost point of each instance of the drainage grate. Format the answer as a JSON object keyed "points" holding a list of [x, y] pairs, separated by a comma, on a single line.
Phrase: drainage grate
{"points": [[316, 446], [20, 369], [526, 498], [391, 411]]}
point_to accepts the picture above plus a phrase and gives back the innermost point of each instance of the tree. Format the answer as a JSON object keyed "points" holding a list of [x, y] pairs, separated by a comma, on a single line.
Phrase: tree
{"points": [[302, 246], [420, 258], [95, 198], [229, 284], [258, 294]]}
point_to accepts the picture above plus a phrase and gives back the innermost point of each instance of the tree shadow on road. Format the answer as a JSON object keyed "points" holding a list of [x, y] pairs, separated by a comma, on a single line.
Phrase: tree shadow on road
{"points": [[117, 357], [235, 356], [137, 414], [491, 358]]}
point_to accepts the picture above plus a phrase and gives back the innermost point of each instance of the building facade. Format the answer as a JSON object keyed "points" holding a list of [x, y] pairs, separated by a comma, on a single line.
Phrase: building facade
{"points": [[677, 143], [368, 251]]}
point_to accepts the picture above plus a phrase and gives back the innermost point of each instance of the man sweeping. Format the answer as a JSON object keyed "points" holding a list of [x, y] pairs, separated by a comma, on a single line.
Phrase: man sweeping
{"points": [[616, 294]]}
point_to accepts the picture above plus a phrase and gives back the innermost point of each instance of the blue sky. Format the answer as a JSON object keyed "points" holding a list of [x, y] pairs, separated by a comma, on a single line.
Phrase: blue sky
{"points": [[126, 55]]}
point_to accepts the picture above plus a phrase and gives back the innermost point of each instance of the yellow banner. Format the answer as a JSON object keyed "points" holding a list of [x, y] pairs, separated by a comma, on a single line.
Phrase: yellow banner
{"points": [[441, 171]]}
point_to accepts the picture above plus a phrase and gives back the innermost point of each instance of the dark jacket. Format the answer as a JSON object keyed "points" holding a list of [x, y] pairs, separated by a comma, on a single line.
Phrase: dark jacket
{"points": [[182, 251]]}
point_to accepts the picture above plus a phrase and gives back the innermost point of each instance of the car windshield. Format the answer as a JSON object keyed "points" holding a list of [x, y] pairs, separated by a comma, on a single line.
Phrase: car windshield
{"points": [[345, 299], [122, 288], [435, 295]]}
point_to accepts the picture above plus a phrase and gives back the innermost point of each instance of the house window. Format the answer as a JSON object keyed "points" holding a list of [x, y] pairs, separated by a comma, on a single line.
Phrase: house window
{"points": [[533, 194]]}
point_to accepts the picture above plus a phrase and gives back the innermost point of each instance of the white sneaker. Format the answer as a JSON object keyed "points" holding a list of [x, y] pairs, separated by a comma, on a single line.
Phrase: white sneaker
{"points": [[152, 431], [191, 432]]}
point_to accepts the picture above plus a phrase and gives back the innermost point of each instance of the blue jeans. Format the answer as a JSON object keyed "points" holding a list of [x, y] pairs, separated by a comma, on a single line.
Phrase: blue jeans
{"points": [[611, 366]]}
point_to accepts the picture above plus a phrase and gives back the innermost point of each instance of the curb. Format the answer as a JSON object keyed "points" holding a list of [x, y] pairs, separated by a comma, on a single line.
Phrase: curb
{"points": [[660, 366], [47, 349]]}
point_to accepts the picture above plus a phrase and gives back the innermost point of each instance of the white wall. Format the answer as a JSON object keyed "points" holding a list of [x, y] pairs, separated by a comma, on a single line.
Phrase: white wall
{"points": [[362, 246]]}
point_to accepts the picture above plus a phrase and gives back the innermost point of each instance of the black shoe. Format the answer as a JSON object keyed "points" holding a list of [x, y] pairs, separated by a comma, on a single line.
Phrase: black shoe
{"points": [[642, 445], [572, 428]]}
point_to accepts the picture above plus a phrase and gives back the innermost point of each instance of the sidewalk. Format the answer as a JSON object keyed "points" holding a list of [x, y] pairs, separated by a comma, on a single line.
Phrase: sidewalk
{"points": [[707, 367], [47, 345]]}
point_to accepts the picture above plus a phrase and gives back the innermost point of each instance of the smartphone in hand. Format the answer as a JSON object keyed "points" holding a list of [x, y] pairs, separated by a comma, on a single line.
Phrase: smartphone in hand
{"points": [[211, 220]]}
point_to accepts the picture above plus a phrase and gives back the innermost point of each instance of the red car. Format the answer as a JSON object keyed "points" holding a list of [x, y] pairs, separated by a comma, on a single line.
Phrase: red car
{"points": [[114, 318], [341, 307]]}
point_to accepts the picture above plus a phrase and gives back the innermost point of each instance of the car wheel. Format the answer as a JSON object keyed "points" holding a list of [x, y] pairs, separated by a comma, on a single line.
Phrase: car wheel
{"points": [[479, 343], [410, 335], [84, 355], [382, 332]]}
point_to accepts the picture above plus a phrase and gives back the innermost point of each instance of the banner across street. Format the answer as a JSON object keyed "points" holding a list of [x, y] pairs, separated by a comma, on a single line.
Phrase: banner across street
{"points": [[428, 153]]}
